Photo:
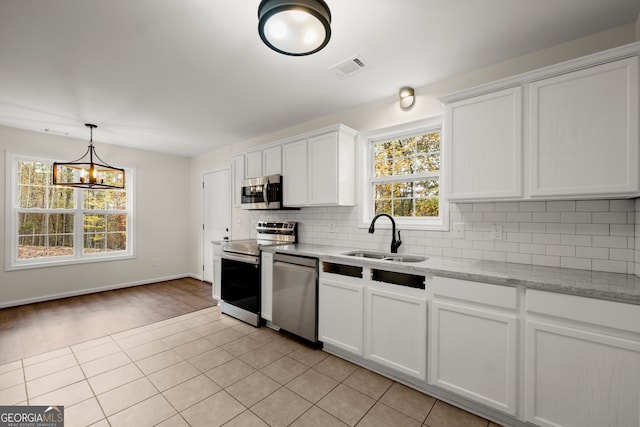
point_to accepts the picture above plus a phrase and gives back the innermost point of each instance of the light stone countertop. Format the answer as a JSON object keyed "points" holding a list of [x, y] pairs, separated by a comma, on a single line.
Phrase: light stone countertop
{"points": [[593, 284]]}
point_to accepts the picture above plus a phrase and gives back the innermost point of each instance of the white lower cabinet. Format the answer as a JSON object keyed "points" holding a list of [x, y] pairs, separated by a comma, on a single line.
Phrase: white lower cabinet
{"points": [[474, 340], [582, 361], [216, 284], [266, 286], [341, 312], [396, 328]]}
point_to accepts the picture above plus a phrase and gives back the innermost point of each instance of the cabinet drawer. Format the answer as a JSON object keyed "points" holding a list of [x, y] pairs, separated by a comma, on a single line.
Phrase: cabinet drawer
{"points": [[482, 293], [610, 314]]}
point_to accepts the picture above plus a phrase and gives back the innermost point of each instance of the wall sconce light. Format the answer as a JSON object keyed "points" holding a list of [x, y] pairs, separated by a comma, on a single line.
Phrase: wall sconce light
{"points": [[294, 27], [407, 96]]}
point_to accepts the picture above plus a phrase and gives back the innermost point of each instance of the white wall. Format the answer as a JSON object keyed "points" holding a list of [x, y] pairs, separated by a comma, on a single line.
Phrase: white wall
{"points": [[386, 112], [162, 221]]}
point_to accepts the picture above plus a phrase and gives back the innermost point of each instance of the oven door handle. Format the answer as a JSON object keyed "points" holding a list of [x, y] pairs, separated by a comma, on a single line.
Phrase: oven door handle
{"points": [[265, 193], [241, 258]]}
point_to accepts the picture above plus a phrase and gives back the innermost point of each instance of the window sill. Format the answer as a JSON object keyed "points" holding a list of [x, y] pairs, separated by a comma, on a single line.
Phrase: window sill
{"points": [[67, 261]]}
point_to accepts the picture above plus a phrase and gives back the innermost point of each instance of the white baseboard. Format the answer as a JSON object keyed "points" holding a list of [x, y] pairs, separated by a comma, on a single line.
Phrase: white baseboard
{"points": [[15, 303]]}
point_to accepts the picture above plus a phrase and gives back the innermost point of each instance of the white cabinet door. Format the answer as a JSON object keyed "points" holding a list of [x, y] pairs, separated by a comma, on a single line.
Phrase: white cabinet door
{"points": [[323, 169], [294, 174], [582, 361], [253, 164], [396, 330], [341, 313], [473, 353], [238, 176], [584, 132], [272, 160], [266, 280], [483, 146], [580, 378]]}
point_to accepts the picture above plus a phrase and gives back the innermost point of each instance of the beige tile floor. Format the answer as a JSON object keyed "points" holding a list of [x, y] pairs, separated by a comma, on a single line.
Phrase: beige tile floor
{"points": [[208, 369]]}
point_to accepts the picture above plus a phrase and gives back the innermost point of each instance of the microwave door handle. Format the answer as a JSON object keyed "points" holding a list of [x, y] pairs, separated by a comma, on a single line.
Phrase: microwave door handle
{"points": [[265, 193]]}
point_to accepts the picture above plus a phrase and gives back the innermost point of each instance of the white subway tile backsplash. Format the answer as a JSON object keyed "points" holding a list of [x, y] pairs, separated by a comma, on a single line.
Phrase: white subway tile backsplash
{"points": [[527, 248], [554, 228], [546, 239], [519, 217], [531, 206], [484, 207], [519, 258], [507, 207], [495, 217], [495, 256], [580, 263], [519, 237], [561, 206], [610, 242], [610, 266], [575, 240], [593, 229], [576, 217], [563, 251], [599, 235], [622, 255], [622, 229], [546, 217], [593, 253], [592, 205], [627, 205], [610, 217], [549, 261], [532, 227]]}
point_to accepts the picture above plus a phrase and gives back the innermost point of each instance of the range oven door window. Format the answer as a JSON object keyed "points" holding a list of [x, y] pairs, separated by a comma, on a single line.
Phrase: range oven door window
{"points": [[241, 284]]}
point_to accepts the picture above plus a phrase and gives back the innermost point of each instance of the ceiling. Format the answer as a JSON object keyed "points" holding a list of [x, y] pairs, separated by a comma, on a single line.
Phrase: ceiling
{"points": [[187, 76]]}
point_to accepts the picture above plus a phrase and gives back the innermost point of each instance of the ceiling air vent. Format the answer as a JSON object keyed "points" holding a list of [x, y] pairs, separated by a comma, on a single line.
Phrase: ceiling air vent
{"points": [[349, 67]]}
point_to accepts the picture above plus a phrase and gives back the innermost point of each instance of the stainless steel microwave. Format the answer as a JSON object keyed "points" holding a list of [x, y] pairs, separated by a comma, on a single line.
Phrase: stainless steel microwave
{"points": [[262, 193]]}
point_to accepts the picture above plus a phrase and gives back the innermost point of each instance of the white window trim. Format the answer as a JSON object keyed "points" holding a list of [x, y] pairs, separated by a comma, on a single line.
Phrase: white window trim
{"points": [[398, 131], [11, 220]]}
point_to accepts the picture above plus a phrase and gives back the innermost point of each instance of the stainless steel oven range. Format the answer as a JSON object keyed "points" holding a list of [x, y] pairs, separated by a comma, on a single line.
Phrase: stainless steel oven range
{"points": [[240, 286]]}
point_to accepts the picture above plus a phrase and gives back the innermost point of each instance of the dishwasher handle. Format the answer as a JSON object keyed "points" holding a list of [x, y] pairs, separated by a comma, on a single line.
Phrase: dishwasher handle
{"points": [[295, 259]]}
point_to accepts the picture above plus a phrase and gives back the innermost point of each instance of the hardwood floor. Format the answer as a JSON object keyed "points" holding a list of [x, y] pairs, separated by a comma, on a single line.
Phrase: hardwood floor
{"points": [[32, 329]]}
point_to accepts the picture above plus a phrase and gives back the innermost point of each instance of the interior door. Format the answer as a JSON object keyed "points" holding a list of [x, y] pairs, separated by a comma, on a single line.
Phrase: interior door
{"points": [[216, 218]]}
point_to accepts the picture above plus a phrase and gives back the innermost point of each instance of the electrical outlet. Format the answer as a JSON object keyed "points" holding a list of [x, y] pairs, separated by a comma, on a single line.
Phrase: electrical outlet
{"points": [[332, 227], [458, 230], [154, 262], [496, 232]]}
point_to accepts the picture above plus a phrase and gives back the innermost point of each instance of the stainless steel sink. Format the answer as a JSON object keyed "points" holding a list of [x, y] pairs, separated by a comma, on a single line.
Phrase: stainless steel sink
{"points": [[386, 256]]}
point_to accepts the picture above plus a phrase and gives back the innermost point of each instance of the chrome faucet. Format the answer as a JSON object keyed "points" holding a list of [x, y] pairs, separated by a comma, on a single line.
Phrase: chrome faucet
{"points": [[395, 244]]}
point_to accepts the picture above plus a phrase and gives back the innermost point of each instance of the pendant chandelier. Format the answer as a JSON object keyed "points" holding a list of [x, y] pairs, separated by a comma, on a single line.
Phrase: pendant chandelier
{"points": [[87, 173]]}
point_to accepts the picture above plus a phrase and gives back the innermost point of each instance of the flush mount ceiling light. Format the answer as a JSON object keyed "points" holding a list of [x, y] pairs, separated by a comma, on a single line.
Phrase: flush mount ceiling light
{"points": [[406, 97], [85, 173], [294, 27]]}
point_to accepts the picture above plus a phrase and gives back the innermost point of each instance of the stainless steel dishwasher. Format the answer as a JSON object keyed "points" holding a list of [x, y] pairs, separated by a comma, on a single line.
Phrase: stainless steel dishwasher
{"points": [[295, 295]]}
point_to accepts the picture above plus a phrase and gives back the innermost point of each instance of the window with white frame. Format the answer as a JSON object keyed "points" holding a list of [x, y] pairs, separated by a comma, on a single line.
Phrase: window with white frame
{"points": [[405, 175], [52, 225]]}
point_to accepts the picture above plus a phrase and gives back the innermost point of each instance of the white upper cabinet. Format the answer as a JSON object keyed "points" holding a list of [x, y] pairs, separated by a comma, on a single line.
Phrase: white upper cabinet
{"points": [[584, 132], [238, 176], [272, 160], [564, 131], [253, 164], [483, 146], [263, 162], [319, 168], [294, 173]]}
